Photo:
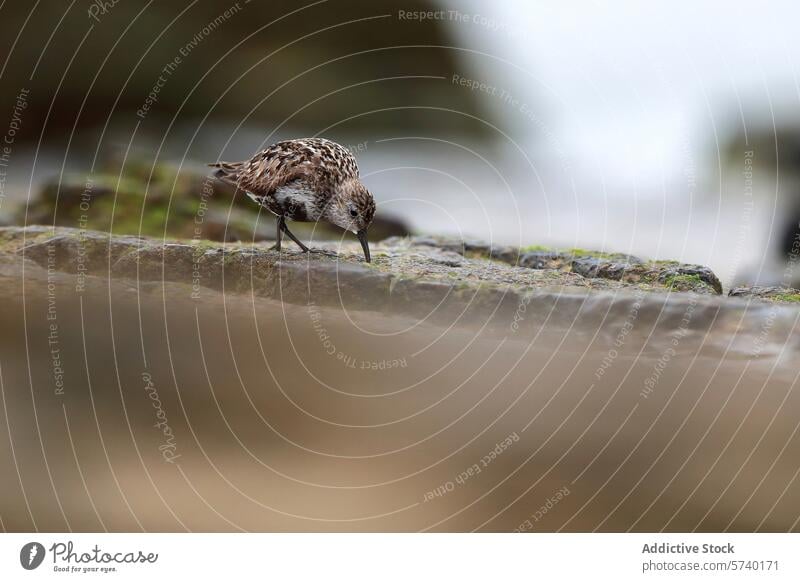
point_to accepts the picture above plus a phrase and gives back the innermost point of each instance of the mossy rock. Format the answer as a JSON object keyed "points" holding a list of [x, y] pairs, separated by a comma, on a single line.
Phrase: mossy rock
{"points": [[592, 266], [776, 294], [404, 278]]}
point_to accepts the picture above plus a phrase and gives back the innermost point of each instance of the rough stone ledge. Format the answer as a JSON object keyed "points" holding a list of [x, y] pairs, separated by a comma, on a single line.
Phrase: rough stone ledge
{"points": [[420, 277], [776, 294], [589, 264]]}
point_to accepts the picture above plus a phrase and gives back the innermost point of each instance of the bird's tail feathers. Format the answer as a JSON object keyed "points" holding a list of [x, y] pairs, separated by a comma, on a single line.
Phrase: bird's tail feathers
{"points": [[227, 171]]}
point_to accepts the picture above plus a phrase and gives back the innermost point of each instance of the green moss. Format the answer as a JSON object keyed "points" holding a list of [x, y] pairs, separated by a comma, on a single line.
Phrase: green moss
{"points": [[683, 281], [649, 278], [205, 245], [687, 278], [577, 252], [128, 211], [475, 255], [574, 252], [788, 297]]}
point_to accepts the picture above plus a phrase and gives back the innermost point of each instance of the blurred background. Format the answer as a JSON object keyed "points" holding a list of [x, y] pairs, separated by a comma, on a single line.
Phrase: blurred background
{"points": [[660, 129], [666, 131]]}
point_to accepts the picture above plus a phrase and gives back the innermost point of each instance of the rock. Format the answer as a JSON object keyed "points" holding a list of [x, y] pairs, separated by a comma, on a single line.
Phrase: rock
{"points": [[589, 263], [423, 276], [690, 278], [597, 265], [778, 294], [591, 267], [447, 258], [434, 242], [543, 260]]}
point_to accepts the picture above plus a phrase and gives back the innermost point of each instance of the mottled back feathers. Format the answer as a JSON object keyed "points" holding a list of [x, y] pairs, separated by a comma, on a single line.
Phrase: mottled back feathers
{"points": [[320, 163]]}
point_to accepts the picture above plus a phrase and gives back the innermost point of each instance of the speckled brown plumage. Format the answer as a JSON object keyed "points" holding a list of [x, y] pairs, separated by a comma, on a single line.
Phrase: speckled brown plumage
{"points": [[306, 180]]}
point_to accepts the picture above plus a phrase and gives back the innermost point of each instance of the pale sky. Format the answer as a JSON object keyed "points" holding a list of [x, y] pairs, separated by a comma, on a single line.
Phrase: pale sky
{"points": [[641, 78]]}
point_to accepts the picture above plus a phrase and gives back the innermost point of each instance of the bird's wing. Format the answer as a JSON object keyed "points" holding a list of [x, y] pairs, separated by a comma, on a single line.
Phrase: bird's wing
{"points": [[320, 163], [278, 165]]}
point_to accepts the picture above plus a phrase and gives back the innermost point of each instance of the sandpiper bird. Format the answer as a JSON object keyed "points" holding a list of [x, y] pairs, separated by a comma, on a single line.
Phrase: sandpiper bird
{"points": [[305, 180]]}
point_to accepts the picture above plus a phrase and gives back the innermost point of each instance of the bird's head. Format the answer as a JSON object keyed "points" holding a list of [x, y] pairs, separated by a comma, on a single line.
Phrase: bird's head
{"points": [[352, 207]]}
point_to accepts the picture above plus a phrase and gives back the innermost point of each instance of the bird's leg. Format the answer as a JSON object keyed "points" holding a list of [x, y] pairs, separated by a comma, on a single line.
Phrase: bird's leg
{"points": [[279, 234], [282, 224], [283, 228]]}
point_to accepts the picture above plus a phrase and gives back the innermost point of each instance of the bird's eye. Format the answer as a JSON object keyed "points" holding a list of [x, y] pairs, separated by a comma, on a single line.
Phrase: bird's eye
{"points": [[353, 213]]}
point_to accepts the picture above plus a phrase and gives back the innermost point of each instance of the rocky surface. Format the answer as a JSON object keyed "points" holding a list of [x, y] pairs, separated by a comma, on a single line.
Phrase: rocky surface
{"points": [[430, 281], [595, 269], [422, 277], [778, 294]]}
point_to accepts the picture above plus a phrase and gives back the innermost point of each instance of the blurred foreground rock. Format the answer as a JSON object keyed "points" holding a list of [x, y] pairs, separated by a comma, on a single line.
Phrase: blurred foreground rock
{"points": [[439, 350]]}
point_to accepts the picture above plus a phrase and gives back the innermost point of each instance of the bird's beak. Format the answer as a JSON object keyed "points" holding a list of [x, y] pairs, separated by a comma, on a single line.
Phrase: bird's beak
{"points": [[362, 236]]}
